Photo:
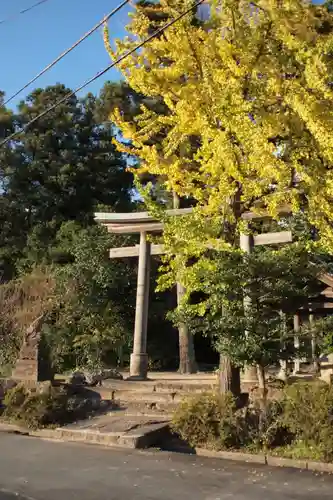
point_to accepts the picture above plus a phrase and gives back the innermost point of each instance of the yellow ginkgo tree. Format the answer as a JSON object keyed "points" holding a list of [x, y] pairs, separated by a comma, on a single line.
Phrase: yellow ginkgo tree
{"points": [[249, 106], [248, 118]]}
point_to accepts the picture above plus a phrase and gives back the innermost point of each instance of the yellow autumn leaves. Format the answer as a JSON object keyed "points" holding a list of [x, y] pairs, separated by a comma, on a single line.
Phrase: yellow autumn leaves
{"points": [[250, 106]]}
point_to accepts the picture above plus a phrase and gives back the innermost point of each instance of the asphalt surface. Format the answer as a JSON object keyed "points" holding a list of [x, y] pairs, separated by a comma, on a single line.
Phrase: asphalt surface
{"points": [[33, 469]]}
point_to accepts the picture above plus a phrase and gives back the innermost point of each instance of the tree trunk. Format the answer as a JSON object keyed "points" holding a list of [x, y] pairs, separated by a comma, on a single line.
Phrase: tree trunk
{"points": [[262, 386], [187, 363], [229, 377]]}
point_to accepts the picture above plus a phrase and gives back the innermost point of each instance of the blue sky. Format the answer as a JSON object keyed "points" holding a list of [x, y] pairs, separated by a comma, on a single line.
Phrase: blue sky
{"points": [[34, 39]]}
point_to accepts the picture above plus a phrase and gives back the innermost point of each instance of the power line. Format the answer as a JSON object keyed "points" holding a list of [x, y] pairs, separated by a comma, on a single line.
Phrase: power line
{"points": [[84, 37], [23, 11], [101, 73]]}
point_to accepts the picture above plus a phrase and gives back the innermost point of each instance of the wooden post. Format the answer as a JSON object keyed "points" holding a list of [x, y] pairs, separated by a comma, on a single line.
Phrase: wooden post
{"points": [[297, 361], [315, 362], [283, 373], [139, 357], [250, 372]]}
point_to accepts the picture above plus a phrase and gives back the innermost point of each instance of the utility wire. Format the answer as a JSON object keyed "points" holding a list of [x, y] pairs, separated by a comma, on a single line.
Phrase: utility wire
{"points": [[84, 37], [102, 72], [23, 11]]}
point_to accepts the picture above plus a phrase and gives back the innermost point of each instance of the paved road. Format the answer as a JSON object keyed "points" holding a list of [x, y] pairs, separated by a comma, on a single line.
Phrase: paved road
{"points": [[44, 470]]}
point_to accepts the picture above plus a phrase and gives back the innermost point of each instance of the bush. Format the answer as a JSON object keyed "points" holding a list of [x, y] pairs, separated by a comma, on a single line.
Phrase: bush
{"points": [[266, 429], [298, 450], [52, 406], [308, 413], [216, 421], [15, 397], [21, 302], [210, 419]]}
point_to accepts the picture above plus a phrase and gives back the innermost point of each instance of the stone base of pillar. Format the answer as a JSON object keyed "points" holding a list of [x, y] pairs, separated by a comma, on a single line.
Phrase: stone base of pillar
{"points": [[326, 368], [282, 375], [139, 366], [283, 372], [249, 375], [297, 367]]}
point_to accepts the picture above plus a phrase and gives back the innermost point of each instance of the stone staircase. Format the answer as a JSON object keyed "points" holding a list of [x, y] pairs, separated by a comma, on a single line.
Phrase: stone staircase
{"points": [[151, 397], [140, 414], [135, 414]]}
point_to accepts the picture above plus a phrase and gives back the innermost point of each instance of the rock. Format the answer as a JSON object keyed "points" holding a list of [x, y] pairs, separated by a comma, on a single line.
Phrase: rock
{"points": [[5, 386], [78, 378], [43, 387], [326, 368], [33, 363], [94, 379], [91, 379]]}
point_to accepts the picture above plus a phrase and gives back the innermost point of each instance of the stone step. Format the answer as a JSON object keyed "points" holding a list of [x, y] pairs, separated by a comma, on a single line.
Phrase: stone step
{"points": [[155, 386], [24, 362], [183, 388], [146, 412], [21, 373], [139, 396], [117, 430], [149, 410], [21, 367]]}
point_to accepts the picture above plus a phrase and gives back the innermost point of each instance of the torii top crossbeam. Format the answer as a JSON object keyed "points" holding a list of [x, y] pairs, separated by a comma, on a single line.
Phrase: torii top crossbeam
{"points": [[134, 222], [138, 222], [135, 217]]}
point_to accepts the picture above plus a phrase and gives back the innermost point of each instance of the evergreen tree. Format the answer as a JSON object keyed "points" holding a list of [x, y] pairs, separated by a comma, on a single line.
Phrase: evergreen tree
{"points": [[65, 167]]}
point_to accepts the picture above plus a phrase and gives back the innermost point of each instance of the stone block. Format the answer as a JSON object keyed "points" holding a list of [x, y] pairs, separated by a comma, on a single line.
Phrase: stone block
{"points": [[232, 455], [286, 462], [6, 385], [33, 363], [320, 467], [326, 368]]}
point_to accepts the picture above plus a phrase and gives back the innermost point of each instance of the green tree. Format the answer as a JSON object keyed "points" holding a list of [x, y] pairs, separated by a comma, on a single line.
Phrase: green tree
{"points": [[11, 215], [93, 307], [66, 166], [278, 283]]}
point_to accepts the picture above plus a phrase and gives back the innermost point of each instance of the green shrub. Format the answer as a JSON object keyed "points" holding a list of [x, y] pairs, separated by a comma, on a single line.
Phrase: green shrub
{"points": [[214, 420], [298, 450], [209, 419], [34, 410], [308, 413], [52, 406], [266, 428], [15, 397]]}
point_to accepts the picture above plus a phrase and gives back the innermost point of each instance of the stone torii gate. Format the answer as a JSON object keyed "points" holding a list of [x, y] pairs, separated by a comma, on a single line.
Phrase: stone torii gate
{"points": [[139, 223], [143, 223]]}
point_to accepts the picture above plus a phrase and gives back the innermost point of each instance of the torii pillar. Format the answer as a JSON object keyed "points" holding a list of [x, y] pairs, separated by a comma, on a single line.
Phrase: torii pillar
{"points": [[249, 374], [139, 356], [247, 242]]}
